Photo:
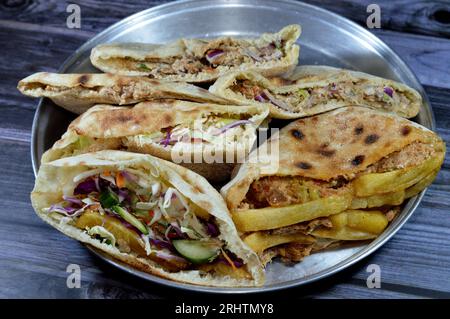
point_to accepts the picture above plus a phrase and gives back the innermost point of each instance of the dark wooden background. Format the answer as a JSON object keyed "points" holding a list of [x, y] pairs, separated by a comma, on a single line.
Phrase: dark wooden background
{"points": [[34, 257]]}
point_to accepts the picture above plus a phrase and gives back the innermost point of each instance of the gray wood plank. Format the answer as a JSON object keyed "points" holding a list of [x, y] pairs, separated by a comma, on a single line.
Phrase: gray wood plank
{"points": [[423, 16], [430, 17]]}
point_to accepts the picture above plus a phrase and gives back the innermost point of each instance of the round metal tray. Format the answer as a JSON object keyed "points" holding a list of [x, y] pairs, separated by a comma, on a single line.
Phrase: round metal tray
{"points": [[326, 39]]}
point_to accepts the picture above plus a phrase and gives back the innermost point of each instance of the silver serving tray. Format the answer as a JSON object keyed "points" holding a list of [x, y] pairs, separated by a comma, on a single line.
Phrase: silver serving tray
{"points": [[327, 39]]}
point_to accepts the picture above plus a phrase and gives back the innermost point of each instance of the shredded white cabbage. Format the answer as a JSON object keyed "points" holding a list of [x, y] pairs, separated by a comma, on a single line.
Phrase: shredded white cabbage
{"points": [[102, 232], [155, 188], [146, 205], [87, 174], [156, 216], [147, 247]]}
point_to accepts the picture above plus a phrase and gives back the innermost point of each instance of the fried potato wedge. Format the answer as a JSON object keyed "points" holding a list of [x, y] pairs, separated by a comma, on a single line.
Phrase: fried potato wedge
{"points": [[380, 183], [276, 217], [260, 241], [374, 222], [420, 186], [394, 198], [345, 233], [354, 225]]}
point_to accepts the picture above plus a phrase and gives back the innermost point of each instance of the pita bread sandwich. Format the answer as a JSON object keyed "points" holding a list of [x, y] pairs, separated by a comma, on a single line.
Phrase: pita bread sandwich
{"points": [[78, 92], [154, 215], [340, 176], [207, 138], [196, 60], [312, 90]]}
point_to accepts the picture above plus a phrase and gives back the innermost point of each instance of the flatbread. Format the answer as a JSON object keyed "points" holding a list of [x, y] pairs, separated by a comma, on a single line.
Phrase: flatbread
{"points": [[335, 144], [334, 87], [185, 59], [125, 128], [78, 92], [56, 179]]}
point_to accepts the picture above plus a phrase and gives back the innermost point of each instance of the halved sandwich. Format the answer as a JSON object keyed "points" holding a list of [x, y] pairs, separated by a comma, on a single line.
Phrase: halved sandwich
{"points": [[196, 60], [78, 92], [340, 176], [154, 215], [208, 138], [312, 90]]}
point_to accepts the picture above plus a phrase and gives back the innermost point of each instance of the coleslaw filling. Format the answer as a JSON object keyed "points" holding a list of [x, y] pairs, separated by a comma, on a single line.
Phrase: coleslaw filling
{"points": [[211, 130], [297, 99], [138, 213]]}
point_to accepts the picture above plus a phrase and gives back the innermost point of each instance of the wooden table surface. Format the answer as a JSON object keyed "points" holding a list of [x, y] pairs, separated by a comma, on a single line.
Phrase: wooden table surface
{"points": [[33, 257]]}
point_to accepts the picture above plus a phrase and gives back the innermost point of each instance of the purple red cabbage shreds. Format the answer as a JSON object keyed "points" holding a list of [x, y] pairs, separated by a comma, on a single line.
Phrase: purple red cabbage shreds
{"points": [[166, 141], [177, 229], [162, 244], [389, 91], [129, 176], [276, 102], [86, 187], [168, 256], [123, 195], [73, 200], [262, 97], [212, 229], [232, 125], [60, 209], [333, 88], [212, 55]]}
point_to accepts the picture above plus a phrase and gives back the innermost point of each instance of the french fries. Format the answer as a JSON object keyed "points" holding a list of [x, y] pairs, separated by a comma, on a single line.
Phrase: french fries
{"points": [[260, 241], [354, 225], [380, 183], [345, 233], [420, 186], [394, 198], [276, 217]]}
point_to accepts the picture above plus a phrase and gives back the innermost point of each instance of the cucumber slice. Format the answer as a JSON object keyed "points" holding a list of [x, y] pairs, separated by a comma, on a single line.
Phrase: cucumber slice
{"points": [[131, 219], [108, 198], [197, 251]]}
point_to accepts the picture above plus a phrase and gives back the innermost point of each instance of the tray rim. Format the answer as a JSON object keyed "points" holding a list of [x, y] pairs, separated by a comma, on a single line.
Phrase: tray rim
{"points": [[371, 247]]}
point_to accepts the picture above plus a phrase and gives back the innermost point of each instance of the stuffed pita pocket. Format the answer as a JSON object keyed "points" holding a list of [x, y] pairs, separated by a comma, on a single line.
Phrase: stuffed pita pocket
{"points": [[78, 92], [207, 138], [341, 176], [312, 90], [195, 60], [154, 215]]}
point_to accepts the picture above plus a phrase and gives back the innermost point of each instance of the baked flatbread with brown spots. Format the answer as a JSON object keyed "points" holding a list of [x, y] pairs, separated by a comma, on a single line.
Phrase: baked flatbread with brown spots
{"points": [[179, 131], [314, 89], [197, 60], [78, 92], [341, 168]]}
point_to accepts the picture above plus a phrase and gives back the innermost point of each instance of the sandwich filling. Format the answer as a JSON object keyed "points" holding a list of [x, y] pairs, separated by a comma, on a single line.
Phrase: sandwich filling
{"points": [[294, 99], [292, 216], [219, 53], [141, 215], [215, 130]]}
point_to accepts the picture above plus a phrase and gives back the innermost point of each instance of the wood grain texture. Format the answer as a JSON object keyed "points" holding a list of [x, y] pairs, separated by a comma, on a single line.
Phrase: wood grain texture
{"points": [[33, 256], [430, 17]]}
